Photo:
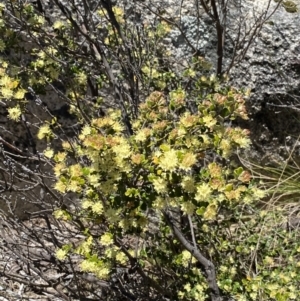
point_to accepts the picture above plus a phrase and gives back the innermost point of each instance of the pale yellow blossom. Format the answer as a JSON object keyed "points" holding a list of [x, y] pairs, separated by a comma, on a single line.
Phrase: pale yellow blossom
{"points": [[61, 254], [189, 159], [203, 192], [188, 208], [188, 184], [160, 185], [169, 160], [14, 113], [209, 121], [97, 208], [44, 132], [106, 239], [210, 212], [48, 152]]}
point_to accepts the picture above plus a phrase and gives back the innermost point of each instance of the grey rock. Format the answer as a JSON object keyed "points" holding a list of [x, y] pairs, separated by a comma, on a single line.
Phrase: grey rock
{"points": [[270, 68]]}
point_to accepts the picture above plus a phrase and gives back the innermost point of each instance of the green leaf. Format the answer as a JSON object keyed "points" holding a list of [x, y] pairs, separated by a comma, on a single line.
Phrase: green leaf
{"points": [[237, 172], [165, 147], [201, 210]]}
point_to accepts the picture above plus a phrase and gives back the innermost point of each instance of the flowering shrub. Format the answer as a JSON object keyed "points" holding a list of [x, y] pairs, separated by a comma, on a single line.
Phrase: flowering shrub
{"points": [[175, 164], [164, 211]]}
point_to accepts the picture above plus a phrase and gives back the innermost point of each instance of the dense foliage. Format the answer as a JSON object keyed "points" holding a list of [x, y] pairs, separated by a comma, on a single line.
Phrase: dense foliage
{"points": [[163, 210]]}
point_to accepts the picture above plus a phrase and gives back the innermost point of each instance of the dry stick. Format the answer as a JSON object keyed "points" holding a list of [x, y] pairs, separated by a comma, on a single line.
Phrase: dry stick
{"points": [[257, 28], [192, 230], [173, 23], [136, 265], [100, 54], [220, 35], [17, 150], [207, 264], [107, 4]]}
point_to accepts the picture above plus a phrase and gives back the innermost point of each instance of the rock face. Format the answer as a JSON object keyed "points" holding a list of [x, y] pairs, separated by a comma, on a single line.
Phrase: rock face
{"points": [[270, 68]]}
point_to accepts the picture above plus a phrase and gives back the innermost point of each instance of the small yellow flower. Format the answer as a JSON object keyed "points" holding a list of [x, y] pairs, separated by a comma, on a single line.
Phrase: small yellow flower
{"points": [[169, 160], [86, 204], [20, 94], [86, 130], [119, 13], [233, 271], [112, 215], [66, 145], [103, 272], [62, 214], [7, 93], [74, 186], [269, 261], [97, 208], [206, 139], [189, 159], [160, 185], [188, 184], [215, 170], [181, 295], [243, 142], [121, 258], [106, 239], [60, 156], [60, 186], [209, 121], [59, 168], [14, 113], [81, 78], [85, 247], [75, 170], [188, 120], [203, 192], [61, 254], [223, 268], [44, 132], [210, 212], [160, 203], [137, 158], [122, 150], [58, 24], [88, 266], [258, 193], [5, 80], [187, 258], [142, 135], [99, 268], [233, 194], [40, 20], [48, 152], [118, 127], [188, 208], [226, 148], [94, 180]]}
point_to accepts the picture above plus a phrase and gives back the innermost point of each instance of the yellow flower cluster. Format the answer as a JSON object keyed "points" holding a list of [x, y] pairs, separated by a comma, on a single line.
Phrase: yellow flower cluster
{"points": [[203, 192], [106, 239], [99, 268], [169, 160], [14, 113], [61, 254], [45, 132]]}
